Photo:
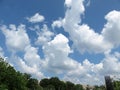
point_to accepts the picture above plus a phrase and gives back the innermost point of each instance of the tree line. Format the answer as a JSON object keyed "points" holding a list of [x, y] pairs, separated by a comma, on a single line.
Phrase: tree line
{"points": [[10, 79]]}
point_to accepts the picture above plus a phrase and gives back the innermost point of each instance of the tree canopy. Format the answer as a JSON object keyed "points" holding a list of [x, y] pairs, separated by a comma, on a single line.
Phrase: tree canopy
{"points": [[10, 79]]}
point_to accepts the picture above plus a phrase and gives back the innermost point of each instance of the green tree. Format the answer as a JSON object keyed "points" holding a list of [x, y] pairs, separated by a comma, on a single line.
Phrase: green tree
{"points": [[55, 82], [44, 82], [78, 87], [116, 85], [10, 78], [69, 85], [3, 87], [96, 87], [33, 84]]}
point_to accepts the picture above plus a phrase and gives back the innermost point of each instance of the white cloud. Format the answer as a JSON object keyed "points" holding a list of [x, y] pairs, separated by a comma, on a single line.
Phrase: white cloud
{"points": [[85, 72], [73, 14], [57, 61], [85, 39], [32, 62], [22, 66], [31, 56], [44, 35], [111, 31], [36, 18], [34, 70], [68, 2], [111, 64], [16, 38], [57, 56], [57, 23], [56, 51]]}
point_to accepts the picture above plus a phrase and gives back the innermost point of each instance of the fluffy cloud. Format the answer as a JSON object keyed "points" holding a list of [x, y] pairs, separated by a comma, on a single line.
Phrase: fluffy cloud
{"points": [[56, 60], [56, 54], [31, 56], [85, 39], [111, 31], [22, 66], [111, 64], [85, 72], [16, 38], [44, 35], [36, 18], [73, 14], [57, 23], [68, 2]]}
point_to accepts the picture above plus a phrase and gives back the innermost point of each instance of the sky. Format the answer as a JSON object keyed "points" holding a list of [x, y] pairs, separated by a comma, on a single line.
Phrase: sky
{"points": [[75, 40]]}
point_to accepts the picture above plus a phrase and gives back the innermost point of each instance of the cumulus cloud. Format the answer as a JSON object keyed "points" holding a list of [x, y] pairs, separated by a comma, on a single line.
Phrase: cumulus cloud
{"points": [[57, 23], [84, 39], [111, 64], [111, 30], [56, 49], [73, 14], [22, 66], [57, 61], [68, 2], [36, 18], [17, 40], [85, 72], [56, 54], [44, 35], [31, 56], [16, 37]]}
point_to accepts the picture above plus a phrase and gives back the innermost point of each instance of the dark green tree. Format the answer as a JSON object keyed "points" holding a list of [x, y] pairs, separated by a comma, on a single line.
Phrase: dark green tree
{"points": [[78, 87], [69, 85], [44, 82], [32, 84], [10, 78]]}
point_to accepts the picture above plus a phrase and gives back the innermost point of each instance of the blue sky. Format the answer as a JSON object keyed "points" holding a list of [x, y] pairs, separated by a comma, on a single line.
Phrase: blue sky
{"points": [[74, 40]]}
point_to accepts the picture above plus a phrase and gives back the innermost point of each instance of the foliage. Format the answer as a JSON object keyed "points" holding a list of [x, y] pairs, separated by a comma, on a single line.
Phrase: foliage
{"points": [[55, 84], [116, 85], [102, 87], [10, 79]]}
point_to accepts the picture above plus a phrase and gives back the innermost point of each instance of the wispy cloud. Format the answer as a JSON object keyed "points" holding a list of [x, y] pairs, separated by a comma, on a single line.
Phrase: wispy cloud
{"points": [[36, 18]]}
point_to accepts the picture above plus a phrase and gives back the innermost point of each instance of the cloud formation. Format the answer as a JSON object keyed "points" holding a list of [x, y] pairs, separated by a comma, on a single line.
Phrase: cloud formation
{"points": [[84, 38], [111, 29], [56, 48], [44, 35], [36, 18], [16, 37]]}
